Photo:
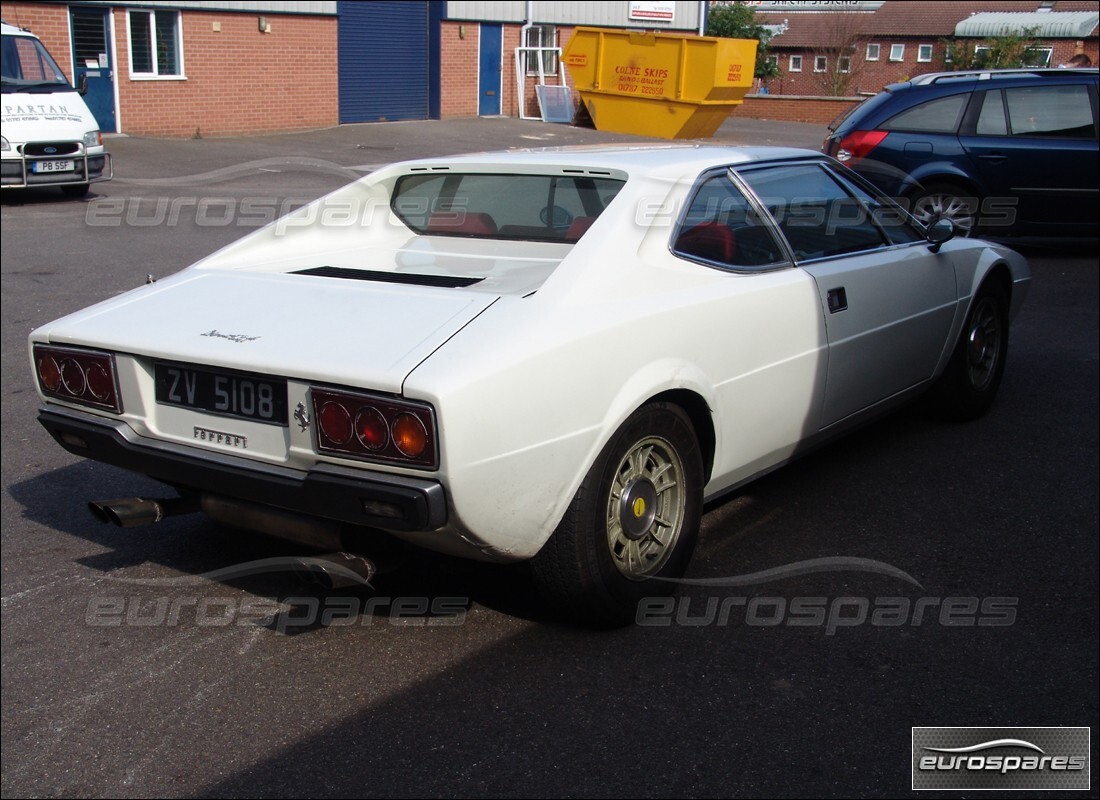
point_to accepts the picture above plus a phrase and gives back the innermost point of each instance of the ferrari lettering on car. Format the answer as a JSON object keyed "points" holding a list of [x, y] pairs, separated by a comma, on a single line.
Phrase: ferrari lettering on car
{"points": [[554, 356]]}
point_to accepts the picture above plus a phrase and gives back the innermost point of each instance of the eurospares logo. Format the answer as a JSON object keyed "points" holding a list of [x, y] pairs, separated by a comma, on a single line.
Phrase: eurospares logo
{"points": [[1001, 758]]}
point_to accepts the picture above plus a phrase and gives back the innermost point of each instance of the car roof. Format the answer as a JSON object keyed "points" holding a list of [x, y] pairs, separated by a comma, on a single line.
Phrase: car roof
{"points": [[899, 97], [631, 158], [1025, 73]]}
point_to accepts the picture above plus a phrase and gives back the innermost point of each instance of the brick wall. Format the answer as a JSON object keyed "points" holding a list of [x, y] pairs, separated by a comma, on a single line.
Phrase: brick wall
{"points": [[458, 69], [459, 78], [818, 110], [239, 80]]}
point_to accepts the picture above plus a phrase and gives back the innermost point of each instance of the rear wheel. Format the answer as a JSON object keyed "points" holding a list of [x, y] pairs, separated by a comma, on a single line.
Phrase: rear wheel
{"points": [[633, 523], [946, 201], [970, 381]]}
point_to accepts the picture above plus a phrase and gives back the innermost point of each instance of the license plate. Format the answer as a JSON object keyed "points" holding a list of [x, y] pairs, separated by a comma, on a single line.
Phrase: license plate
{"points": [[61, 165], [240, 395]]}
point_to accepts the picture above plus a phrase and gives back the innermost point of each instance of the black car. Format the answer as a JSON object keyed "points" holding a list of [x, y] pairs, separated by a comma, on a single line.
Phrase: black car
{"points": [[1006, 152]]}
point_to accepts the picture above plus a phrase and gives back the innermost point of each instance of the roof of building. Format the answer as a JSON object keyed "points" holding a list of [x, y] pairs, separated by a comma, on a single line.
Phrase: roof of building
{"points": [[1055, 25], [933, 18]]}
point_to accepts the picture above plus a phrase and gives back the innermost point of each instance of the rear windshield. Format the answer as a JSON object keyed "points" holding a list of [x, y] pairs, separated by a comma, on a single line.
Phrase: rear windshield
{"points": [[557, 208], [864, 108], [932, 116]]}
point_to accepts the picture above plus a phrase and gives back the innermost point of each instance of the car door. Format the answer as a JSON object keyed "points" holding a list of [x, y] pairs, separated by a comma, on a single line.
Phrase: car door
{"points": [[755, 329], [887, 300], [1035, 148]]}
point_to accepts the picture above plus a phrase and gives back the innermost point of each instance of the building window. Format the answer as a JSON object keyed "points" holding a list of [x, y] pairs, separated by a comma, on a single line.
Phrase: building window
{"points": [[1033, 57], [542, 36], [924, 53], [1038, 56], [844, 64], [821, 63], [897, 52], [155, 47], [795, 64], [873, 51]]}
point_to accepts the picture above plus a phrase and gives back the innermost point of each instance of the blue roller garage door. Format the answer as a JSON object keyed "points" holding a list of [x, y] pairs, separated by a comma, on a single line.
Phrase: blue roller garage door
{"points": [[383, 50]]}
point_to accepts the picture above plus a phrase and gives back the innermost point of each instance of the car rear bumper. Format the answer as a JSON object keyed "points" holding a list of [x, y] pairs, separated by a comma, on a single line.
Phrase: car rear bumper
{"points": [[398, 503]]}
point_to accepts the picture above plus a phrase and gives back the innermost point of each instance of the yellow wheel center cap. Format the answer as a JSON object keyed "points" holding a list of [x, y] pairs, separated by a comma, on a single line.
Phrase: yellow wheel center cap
{"points": [[639, 507]]}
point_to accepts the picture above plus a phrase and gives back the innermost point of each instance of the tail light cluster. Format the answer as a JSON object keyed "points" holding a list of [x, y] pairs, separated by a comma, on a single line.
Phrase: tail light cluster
{"points": [[78, 376], [859, 144], [375, 428]]}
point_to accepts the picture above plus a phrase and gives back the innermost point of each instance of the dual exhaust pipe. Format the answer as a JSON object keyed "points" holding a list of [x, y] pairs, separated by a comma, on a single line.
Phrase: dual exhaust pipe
{"points": [[334, 570]]}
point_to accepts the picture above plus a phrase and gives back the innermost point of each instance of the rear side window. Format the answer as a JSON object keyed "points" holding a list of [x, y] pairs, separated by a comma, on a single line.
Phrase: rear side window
{"points": [[1055, 111], [935, 116], [720, 226], [991, 120]]}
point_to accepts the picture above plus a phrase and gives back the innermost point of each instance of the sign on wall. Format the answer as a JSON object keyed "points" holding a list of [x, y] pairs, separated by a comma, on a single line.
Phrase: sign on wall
{"points": [[655, 11]]}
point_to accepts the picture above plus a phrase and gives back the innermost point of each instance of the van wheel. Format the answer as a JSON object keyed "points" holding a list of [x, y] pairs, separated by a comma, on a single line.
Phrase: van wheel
{"points": [[632, 526], [946, 201], [75, 189]]}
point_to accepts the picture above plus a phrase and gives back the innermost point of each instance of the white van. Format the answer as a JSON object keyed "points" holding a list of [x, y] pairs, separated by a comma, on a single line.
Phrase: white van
{"points": [[49, 137]]}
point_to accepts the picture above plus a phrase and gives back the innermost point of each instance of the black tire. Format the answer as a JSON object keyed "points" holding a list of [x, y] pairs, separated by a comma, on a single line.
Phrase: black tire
{"points": [[632, 525], [946, 201], [75, 189], [969, 383]]}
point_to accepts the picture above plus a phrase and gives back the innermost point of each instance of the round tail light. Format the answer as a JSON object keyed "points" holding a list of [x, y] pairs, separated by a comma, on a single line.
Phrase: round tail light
{"points": [[409, 435], [49, 373], [99, 382], [370, 427], [335, 422], [73, 377]]}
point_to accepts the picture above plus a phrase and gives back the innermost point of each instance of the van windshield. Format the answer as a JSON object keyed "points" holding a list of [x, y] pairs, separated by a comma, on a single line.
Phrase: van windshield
{"points": [[25, 64]]}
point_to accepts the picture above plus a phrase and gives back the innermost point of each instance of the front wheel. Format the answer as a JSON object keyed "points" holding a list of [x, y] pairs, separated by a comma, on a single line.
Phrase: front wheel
{"points": [[632, 526], [970, 381]]}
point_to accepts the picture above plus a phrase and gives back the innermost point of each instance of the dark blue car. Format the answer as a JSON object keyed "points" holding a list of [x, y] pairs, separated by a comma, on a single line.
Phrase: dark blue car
{"points": [[1003, 152]]}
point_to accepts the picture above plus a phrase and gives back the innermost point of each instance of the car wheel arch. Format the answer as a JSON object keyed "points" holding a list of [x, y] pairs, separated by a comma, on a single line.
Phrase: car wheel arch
{"points": [[702, 420], [968, 384], [665, 380], [918, 182], [1000, 273]]}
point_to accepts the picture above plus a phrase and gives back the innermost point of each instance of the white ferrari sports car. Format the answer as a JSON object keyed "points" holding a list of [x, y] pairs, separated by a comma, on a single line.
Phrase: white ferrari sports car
{"points": [[552, 355]]}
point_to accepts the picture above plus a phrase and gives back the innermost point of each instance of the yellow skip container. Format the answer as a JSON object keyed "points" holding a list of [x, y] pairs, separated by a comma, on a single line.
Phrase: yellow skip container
{"points": [[659, 84]]}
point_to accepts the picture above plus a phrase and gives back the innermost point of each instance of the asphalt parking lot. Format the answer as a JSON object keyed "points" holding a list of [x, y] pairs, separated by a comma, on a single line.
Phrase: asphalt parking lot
{"points": [[146, 661]]}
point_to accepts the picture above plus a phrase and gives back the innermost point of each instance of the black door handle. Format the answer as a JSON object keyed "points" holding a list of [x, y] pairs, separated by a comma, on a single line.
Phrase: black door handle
{"points": [[838, 300]]}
